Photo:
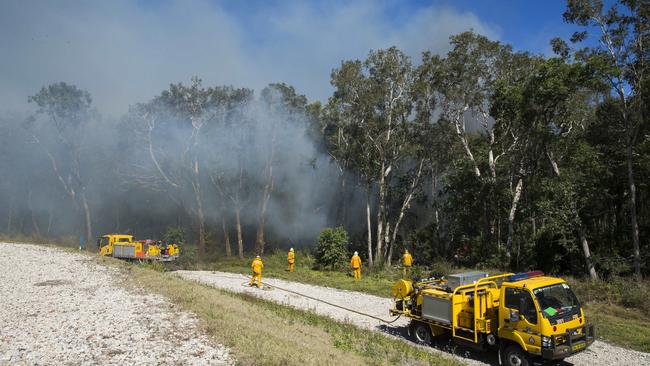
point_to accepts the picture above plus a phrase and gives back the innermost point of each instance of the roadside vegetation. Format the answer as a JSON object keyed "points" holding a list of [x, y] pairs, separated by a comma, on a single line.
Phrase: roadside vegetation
{"points": [[264, 333]]}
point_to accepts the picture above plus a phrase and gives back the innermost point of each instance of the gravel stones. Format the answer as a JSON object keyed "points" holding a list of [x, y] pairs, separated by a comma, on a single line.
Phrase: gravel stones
{"points": [[58, 307]]}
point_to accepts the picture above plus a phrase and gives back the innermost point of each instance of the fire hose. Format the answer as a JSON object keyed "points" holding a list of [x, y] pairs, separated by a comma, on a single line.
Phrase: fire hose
{"points": [[329, 303]]}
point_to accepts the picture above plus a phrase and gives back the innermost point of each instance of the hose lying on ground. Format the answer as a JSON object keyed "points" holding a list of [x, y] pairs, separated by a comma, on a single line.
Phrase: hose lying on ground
{"points": [[328, 303]]}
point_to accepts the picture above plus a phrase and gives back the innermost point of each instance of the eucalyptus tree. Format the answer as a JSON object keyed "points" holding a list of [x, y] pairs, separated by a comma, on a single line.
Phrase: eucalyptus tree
{"points": [[461, 86], [373, 103], [620, 57], [346, 116], [171, 133], [282, 110], [228, 160], [67, 111]]}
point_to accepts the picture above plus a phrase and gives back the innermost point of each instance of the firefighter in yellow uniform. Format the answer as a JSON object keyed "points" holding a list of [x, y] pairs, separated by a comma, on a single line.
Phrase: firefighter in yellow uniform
{"points": [[407, 261], [257, 266], [355, 264], [291, 260]]}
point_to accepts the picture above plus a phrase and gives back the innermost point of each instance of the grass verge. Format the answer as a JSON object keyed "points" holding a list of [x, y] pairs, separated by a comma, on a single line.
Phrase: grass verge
{"points": [[376, 282], [265, 333]]}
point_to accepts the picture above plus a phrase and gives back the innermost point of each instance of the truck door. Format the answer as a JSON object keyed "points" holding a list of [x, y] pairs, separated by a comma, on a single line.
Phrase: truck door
{"points": [[520, 321]]}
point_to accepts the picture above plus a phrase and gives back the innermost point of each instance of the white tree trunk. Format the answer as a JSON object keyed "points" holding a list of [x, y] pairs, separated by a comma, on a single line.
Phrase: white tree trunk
{"points": [[585, 248], [226, 237], [240, 239], [511, 218], [370, 259], [89, 230], [633, 218], [380, 216]]}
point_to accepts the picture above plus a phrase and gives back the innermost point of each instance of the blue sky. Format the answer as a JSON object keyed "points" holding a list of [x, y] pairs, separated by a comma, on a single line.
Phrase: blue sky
{"points": [[125, 52], [526, 24]]}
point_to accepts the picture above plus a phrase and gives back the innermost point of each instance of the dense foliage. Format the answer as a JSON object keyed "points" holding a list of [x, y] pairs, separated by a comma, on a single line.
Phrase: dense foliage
{"points": [[332, 248]]}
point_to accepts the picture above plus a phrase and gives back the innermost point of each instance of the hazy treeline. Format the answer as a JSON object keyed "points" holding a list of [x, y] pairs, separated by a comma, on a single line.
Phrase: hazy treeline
{"points": [[484, 156]]}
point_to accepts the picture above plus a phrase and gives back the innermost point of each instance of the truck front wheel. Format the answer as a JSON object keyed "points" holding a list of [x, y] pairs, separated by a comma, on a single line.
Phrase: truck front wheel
{"points": [[421, 333], [515, 356]]}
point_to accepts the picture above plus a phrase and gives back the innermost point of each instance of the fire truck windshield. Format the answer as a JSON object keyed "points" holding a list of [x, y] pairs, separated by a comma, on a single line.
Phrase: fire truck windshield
{"points": [[557, 301]]}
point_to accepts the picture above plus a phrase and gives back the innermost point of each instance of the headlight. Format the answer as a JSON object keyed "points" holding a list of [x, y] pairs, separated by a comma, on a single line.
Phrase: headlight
{"points": [[546, 342]]}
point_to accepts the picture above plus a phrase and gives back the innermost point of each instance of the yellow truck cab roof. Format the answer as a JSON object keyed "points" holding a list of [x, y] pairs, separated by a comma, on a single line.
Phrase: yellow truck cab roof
{"points": [[537, 282]]}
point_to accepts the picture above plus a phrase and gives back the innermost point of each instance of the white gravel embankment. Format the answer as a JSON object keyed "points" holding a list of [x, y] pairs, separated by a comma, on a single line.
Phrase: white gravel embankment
{"points": [[600, 353], [59, 308]]}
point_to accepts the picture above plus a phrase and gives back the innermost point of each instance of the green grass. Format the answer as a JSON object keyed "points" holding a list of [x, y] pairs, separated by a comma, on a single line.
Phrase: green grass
{"points": [[619, 308], [618, 325], [265, 333], [376, 282]]}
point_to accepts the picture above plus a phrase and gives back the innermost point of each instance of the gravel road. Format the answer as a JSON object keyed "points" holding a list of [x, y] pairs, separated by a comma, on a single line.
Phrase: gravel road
{"points": [[62, 308], [600, 353]]}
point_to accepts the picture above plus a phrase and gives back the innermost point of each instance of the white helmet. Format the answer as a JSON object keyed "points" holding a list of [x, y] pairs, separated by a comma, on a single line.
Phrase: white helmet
{"points": [[356, 253], [257, 256], [291, 250]]}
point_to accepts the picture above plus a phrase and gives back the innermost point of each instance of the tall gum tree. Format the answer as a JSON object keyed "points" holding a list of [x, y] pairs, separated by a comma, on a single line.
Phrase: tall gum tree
{"points": [[461, 85], [173, 127], [68, 110], [373, 98]]}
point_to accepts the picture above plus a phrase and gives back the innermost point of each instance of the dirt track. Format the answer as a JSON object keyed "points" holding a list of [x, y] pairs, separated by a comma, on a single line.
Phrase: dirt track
{"points": [[600, 353], [60, 308]]}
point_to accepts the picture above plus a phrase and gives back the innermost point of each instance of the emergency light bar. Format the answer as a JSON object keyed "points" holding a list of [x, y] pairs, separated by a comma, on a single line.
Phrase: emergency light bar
{"points": [[524, 275]]}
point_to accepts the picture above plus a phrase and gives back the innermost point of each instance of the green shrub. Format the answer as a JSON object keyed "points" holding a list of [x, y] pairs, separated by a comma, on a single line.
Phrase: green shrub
{"points": [[174, 234], [331, 249]]}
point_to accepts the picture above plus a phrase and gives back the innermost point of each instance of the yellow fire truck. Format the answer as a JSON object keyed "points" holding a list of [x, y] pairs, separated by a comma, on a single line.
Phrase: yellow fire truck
{"points": [[528, 317], [125, 247]]}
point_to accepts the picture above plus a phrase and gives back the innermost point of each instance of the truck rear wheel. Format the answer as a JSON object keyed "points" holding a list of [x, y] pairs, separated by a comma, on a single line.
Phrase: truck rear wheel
{"points": [[515, 356], [421, 333]]}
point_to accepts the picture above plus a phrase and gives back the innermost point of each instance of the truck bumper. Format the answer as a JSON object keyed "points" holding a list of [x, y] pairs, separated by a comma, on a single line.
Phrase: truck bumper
{"points": [[575, 340]]}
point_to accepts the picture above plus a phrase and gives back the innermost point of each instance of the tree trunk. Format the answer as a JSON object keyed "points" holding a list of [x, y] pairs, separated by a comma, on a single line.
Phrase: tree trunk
{"points": [[196, 185], [370, 260], [240, 239], [259, 240], [459, 123], [89, 230], [341, 210], [585, 249], [405, 206], [633, 217], [511, 219], [389, 257], [226, 237], [380, 216], [268, 188], [387, 242]]}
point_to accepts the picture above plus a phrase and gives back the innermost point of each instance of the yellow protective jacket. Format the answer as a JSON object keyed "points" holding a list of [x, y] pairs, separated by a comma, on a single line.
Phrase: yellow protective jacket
{"points": [[407, 259], [257, 266], [291, 257], [355, 262]]}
